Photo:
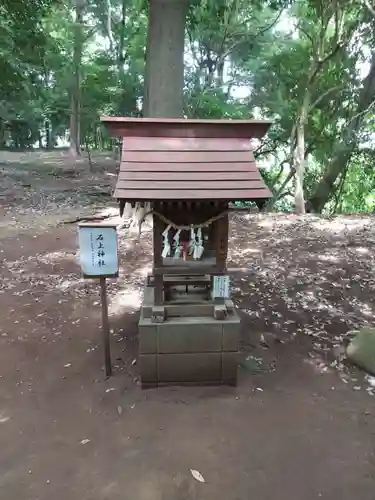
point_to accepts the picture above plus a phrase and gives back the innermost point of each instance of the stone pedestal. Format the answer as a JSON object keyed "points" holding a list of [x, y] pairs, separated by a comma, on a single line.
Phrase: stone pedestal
{"points": [[187, 349]]}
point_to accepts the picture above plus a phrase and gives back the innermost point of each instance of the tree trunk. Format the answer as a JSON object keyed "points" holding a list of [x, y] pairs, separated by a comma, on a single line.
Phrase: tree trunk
{"points": [[75, 95], [345, 148], [299, 154], [121, 45], [48, 132], [164, 71], [95, 139], [121, 57], [127, 103], [220, 73], [2, 134], [299, 166], [109, 26]]}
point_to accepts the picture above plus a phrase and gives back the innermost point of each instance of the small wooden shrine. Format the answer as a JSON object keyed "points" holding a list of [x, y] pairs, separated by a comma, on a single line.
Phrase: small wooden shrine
{"points": [[185, 173]]}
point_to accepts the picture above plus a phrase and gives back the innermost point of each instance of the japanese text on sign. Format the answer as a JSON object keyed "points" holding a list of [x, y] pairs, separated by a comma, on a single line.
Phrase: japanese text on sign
{"points": [[98, 250], [220, 287]]}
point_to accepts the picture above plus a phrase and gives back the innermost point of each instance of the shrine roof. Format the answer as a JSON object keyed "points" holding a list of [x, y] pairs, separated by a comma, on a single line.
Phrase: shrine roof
{"points": [[179, 159]]}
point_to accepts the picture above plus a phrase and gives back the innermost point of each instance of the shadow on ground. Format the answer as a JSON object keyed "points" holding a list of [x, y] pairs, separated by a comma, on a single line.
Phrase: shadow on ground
{"points": [[287, 431]]}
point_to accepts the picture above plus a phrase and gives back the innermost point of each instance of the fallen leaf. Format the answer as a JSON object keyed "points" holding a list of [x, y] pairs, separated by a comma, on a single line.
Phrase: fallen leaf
{"points": [[197, 475], [119, 410]]}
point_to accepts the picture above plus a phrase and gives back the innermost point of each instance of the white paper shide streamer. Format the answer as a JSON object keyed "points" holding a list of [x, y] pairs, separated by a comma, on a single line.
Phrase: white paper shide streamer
{"points": [[166, 245], [138, 215], [192, 241], [128, 211], [148, 219], [196, 243], [177, 245]]}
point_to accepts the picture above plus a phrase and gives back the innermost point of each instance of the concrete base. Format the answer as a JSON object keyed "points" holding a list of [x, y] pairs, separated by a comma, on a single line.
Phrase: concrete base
{"points": [[189, 349]]}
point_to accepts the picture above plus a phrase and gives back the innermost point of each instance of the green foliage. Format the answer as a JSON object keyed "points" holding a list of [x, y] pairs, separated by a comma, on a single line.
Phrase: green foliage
{"points": [[267, 48], [358, 189], [36, 79]]}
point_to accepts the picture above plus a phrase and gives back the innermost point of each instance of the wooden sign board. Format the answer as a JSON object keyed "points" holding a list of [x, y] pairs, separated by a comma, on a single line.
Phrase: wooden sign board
{"points": [[98, 254], [220, 287], [99, 259]]}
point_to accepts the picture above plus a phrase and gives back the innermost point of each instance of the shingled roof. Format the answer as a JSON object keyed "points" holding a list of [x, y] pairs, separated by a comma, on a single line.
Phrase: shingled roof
{"points": [[177, 159]]}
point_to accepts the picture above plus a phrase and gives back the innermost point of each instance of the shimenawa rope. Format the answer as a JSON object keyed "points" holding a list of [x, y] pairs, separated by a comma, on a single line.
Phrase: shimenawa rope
{"points": [[207, 223]]}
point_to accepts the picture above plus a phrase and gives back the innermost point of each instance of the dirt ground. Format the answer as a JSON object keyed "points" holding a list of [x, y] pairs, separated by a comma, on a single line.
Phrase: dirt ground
{"points": [[300, 424]]}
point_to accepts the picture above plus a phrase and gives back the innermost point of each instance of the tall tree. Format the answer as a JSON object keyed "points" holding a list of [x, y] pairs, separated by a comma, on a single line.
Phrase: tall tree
{"points": [[332, 34], [22, 52], [347, 144], [306, 83], [164, 70], [75, 91]]}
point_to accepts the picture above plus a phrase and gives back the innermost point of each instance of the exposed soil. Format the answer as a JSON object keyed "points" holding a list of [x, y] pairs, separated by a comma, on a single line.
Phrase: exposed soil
{"points": [[300, 424]]}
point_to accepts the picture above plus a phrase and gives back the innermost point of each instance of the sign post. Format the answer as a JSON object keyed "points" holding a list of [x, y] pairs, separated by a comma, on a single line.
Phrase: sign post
{"points": [[220, 287], [105, 328], [99, 260]]}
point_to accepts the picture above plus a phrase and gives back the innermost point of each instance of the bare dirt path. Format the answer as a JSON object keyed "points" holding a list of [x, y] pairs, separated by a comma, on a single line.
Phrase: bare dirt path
{"points": [[296, 427]]}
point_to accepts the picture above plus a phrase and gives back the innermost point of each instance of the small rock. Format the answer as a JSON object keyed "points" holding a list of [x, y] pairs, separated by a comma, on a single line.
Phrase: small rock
{"points": [[361, 350], [267, 339]]}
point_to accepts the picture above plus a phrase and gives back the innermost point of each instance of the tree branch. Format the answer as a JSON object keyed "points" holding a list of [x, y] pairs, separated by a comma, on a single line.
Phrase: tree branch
{"points": [[90, 33], [281, 170], [224, 39], [292, 169], [321, 62], [285, 193], [341, 189], [279, 192], [299, 27], [270, 26], [258, 151], [361, 113], [323, 96], [260, 33], [369, 7]]}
